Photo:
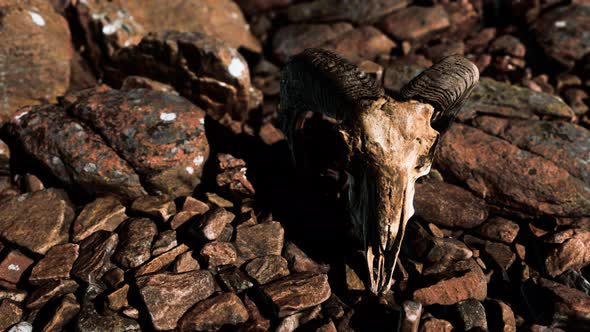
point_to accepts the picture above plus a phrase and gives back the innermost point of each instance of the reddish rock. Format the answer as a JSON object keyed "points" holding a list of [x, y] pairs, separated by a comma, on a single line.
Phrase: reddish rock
{"points": [[213, 223], [500, 316], [500, 253], [364, 43], [161, 135], [49, 290], [168, 296], [234, 280], [508, 45], [256, 322], [218, 253], [32, 183], [117, 299], [140, 82], [232, 177], [436, 325], [259, 240], [14, 295], [499, 229], [182, 217], [165, 241], [561, 32], [56, 264], [185, 263], [36, 221], [211, 314], [300, 262], [442, 50], [252, 7], [356, 11], [65, 311], [470, 285], [297, 292], [10, 314], [35, 57], [464, 17], [447, 205], [13, 266], [90, 320], [524, 181], [578, 100], [268, 268], [160, 262], [415, 23], [114, 277], [104, 213], [194, 205], [159, 207], [95, 255], [136, 237], [569, 303], [573, 253]]}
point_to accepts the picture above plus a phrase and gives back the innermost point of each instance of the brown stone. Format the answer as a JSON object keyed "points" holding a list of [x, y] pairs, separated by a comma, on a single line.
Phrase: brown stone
{"points": [[193, 204], [442, 50], [117, 299], [185, 263], [573, 253], [168, 296], [10, 314], [436, 325], [396, 75], [508, 45], [213, 222], [510, 177], [232, 177], [233, 279], [14, 295], [136, 236], [13, 266], [300, 262], [165, 241], [297, 292], [364, 43], [415, 23], [140, 82], [32, 183], [90, 320], [159, 207], [36, 221], [218, 253], [256, 322], [49, 290], [95, 254], [578, 100], [35, 56], [252, 7], [568, 302], [471, 284], [267, 268], [411, 313], [500, 316], [216, 200], [447, 205], [356, 11], [211, 314], [182, 217], [114, 278], [472, 315], [56, 264], [65, 311], [104, 213], [4, 158], [159, 262], [499, 229], [500, 253], [259, 240]]}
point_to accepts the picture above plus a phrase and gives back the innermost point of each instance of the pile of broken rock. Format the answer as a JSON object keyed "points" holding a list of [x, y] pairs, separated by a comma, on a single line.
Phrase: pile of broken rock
{"points": [[144, 184]]}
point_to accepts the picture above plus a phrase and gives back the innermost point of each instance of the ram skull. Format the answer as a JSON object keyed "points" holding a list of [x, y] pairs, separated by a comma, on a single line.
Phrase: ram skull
{"points": [[390, 143]]}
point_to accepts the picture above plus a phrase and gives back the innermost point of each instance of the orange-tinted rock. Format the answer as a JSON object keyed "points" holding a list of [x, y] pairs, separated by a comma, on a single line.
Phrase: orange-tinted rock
{"points": [[297, 292], [13, 266], [67, 309], [569, 303], [35, 55], [356, 11], [499, 229], [56, 264], [259, 240], [135, 245], [233, 279], [232, 177], [267, 268], [300, 262], [415, 23], [49, 290], [185, 263], [364, 43], [225, 309], [436, 325], [168, 296], [95, 256], [159, 207], [213, 222], [218, 253], [10, 314], [573, 253], [159, 262], [104, 213], [140, 82], [36, 221]]}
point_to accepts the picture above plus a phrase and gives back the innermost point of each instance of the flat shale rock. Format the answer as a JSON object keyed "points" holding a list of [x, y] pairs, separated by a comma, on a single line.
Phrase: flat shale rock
{"points": [[56, 264], [573, 253], [65, 311], [500, 253], [168, 296], [161, 135], [36, 221], [13, 266], [10, 314], [526, 181], [569, 304], [159, 207], [563, 33], [211, 314], [159, 262], [415, 23], [213, 222], [49, 290], [470, 284], [447, 205], [232, 177], [135, 246], [267, 268], [297, 292], [364, 43], [499, 229], [356, 11], [185, 263], [300, 262], [73, 153], [95, 256], [35, 55], [259, 240], [218, 253], [104, 213], [89, 320]]}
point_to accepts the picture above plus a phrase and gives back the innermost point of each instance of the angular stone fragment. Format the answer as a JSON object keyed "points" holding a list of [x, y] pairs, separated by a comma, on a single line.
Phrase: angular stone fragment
{"points": [[232, 177], [447, 250], [10, 314], [56, 264], [568, 303], [90, 320], [267, 268], [181, 218], [500, 253], [49, 290], [185, 263], [159, 262], [134, 249], [65, 311], [415, 23], [95, 254], [356, 11], [561, 32], [168, 296], [194, 205], [364, 43], [221, 310], [104, 213], [36, 221], [114, 277], [74, 153], [573, 253], [472, 315], [525, 182], [297, 292], [259, 240], [256, 322], [165, 241], [213, 222], [469, 285], [435, 325], [117, 299], [35, 55], [500, 316], [447, 205], [218, 253], [161, 135], [160, 207], [234, 280], [13, 266], [499, 229], [300, 262]]}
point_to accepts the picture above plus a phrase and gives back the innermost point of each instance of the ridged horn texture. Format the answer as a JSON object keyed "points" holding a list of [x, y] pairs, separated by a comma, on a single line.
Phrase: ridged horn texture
{"points": [[320, 81], [445, 86]]}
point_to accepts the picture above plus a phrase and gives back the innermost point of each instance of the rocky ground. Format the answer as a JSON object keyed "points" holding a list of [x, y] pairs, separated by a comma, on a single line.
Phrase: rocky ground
{"points": [[144, 184]]}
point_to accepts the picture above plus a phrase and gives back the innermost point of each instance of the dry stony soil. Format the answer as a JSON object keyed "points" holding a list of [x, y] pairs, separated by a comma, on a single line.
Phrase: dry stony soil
{"points": [[145, 184]]}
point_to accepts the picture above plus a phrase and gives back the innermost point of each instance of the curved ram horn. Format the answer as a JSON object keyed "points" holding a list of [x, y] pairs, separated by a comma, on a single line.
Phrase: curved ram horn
{"points": [[320, 81], [445, 85]]}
